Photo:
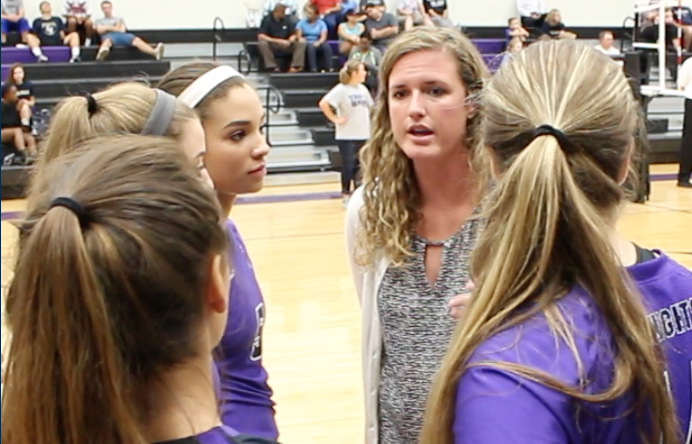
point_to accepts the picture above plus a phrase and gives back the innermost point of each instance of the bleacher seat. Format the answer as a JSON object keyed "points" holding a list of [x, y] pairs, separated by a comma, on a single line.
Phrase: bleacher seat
{"points": [[58, 54], [251, 49]]}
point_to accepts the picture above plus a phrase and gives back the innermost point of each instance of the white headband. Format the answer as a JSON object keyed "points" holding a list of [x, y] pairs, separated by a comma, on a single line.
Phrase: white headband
{"points": [[205, 84]]}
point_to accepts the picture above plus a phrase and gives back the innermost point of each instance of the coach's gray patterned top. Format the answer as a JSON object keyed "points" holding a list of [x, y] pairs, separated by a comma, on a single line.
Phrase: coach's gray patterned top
{"points": [[417, 327]]}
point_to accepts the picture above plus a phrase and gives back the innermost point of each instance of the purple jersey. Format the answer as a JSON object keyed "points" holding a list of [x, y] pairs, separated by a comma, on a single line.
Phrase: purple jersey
{"points": [[220, 435], [498, 406], [246, 397], [495, 405], [667, 290]]}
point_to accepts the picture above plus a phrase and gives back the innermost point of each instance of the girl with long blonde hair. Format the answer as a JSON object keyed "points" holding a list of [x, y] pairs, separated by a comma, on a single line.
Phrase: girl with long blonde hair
{"points": [[555, 346], [411, 226], [115, 332]]}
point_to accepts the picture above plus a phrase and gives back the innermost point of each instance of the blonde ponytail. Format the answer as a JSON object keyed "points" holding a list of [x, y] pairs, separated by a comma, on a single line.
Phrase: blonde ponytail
{"points": [[349, 68], [547, 230]]}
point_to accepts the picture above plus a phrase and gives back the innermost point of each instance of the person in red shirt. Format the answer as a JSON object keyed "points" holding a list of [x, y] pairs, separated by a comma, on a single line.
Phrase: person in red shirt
{"points": [[330, 11]]}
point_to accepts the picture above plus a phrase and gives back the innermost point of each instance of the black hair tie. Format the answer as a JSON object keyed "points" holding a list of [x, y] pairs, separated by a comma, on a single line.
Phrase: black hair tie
{"points": [[74, 206], [548, 130], [92, 106]]}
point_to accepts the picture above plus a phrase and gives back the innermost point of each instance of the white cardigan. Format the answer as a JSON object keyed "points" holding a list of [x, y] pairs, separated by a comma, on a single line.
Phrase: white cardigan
{"points": [[367, 281]]}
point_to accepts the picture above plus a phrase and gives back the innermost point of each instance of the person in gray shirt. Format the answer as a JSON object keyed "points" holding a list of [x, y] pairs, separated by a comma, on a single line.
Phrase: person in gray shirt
{"points": [[382, 26], [113, 32], [291, 9], [352, 102], [13, 19]]}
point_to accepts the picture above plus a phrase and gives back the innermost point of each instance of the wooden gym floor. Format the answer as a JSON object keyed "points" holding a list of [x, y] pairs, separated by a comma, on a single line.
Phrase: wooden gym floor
{"points": [[312, 334]]}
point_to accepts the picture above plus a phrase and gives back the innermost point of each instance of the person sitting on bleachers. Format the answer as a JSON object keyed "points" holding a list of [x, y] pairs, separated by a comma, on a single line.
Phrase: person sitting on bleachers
{"points": [[682, 18], [514, 46], [291, 9], [515, 30], [382, 26], [276, 36], [313, 30], [554, 28], [605, 44], [410, 13], [348, 5], [650, 33], [330, 11], [11, 122], [50, 31], [78, 19], [113, 32], [370, 56], [350, 31], [13, 19], [363, 4], [438, 13], [25, 91], [533, 14]]}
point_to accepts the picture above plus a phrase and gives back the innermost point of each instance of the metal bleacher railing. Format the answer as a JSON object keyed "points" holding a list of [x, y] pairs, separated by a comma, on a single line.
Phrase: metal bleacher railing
{"points": [[628, 33], [217, 36], [271, 108], [272, 102]]}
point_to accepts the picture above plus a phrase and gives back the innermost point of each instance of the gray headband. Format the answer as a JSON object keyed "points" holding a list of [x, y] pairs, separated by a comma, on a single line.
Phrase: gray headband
{"points": [[161, 115]]}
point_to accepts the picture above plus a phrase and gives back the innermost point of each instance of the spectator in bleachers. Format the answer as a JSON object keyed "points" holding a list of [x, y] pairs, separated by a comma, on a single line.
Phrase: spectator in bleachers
{"points": [[13, 20], [650, 34], [277, 36], [382, 26], [313, 30], [371, 57], [291, 10], [605, 44], [554, 28], [366, 53], [348, 5], [350, 31], [532, 13], [438, 13], [516, 30], [113, 32], [352, 102], [685, 85], [50, 31], [330, 11], [11, 122], [78, 19], [683, 19], [25, 91], [378, 3], [410, 13], [29, 39], [515, 46]]}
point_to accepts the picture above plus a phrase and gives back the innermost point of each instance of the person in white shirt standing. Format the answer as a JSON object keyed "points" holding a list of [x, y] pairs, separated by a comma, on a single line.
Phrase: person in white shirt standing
{"points": [[352, 102], [685, 84]]}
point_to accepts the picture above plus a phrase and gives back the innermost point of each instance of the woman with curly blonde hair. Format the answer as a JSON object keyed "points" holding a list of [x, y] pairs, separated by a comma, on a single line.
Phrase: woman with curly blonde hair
{"points": [[411, 226]]}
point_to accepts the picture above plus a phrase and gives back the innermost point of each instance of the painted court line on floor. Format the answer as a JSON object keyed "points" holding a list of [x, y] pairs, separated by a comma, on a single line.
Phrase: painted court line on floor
{"points": [[298, 197]]}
